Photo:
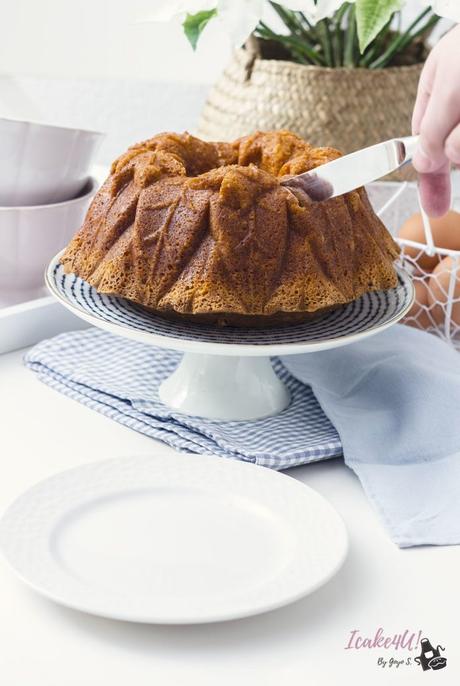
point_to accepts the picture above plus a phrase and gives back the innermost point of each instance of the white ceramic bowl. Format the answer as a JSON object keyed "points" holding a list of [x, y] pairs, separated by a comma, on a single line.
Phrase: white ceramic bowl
{"points": [[42, 164], [30, 236]]}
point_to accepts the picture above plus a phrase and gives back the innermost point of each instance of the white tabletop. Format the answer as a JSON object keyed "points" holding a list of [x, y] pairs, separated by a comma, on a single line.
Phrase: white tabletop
{"points": [[42, 644]]}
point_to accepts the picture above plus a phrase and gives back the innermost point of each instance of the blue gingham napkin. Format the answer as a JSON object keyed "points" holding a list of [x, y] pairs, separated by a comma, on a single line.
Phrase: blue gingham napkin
{"points": [[120, 379]]}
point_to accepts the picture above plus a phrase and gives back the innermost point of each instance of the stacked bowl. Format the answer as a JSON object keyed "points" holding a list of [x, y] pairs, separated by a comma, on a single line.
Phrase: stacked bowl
{"points": [[45, 191]]}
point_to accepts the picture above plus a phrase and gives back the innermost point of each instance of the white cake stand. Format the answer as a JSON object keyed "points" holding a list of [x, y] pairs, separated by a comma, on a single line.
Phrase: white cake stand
{"points": [[226, 373]]}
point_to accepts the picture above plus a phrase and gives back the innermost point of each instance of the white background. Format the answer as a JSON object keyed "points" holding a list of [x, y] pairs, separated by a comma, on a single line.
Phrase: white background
{"points": [[102, 39], [87, 63]]}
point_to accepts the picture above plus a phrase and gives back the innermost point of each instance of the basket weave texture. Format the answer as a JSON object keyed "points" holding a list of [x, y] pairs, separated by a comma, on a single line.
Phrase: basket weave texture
{"points": [[344, 108]]}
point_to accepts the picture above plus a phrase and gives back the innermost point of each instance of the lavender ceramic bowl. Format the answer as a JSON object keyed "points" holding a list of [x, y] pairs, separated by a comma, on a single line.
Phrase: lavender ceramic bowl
{"points": [[30, 236], [42, 164]]}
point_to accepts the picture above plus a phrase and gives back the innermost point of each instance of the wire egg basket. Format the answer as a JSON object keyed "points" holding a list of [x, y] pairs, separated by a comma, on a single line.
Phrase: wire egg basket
{"points": [[437, 305]]}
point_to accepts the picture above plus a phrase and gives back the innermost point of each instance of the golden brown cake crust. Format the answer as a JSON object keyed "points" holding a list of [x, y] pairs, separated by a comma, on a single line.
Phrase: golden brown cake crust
{"points": [[195, 228]]}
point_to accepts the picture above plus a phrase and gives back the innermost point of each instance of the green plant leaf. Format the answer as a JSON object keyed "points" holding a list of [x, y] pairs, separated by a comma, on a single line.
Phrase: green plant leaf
{"points": [[195, 23], [371, 17]]}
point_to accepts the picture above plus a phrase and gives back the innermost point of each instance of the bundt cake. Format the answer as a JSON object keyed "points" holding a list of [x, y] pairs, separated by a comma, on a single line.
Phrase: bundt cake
{"points": [[205, 230]]}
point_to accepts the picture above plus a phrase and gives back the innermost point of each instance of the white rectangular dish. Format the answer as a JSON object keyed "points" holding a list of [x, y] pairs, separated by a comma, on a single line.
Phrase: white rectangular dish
{"points": [[27, 323]]}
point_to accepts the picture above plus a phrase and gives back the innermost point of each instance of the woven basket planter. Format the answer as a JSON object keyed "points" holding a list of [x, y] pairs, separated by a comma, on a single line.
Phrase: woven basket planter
{"points": [[344, 108]]}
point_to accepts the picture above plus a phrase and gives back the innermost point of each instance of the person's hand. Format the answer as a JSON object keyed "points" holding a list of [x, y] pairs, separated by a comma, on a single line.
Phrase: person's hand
{"points": [[436, 118]]}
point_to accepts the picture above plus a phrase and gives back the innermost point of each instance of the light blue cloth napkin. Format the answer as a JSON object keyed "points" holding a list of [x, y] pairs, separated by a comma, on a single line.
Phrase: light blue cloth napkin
{"points": [[395, 402]]}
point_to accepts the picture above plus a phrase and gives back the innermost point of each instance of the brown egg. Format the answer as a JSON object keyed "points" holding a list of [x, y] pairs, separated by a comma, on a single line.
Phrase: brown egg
{"points": [[439, 289], [446, 234], [417, 315]]}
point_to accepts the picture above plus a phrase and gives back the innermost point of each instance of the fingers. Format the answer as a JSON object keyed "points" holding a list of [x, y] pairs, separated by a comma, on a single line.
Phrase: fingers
{"points": [[436, 113], [435, 191], [452, 146], [441, 115], [425, 86]]}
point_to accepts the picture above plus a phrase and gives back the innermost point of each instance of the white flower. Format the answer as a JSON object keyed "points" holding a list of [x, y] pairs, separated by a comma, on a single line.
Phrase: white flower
{"points": [[239, 17], [446, 8], [165, 10]]}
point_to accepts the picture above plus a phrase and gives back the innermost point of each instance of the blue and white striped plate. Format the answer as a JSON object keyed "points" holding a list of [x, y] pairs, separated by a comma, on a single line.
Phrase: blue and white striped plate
{"points": [[363, 317]]}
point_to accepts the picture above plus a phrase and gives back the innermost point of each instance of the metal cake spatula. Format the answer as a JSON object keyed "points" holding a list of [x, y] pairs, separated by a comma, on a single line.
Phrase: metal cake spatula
{"points": [[354, 170]]}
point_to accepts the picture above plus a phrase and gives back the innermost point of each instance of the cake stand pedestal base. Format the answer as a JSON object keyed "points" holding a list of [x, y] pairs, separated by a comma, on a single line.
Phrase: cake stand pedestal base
{"points": [[225, 387]]}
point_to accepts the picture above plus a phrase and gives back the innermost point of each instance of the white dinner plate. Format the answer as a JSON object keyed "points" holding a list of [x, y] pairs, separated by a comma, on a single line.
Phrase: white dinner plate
{"points": [[176, 539]]}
